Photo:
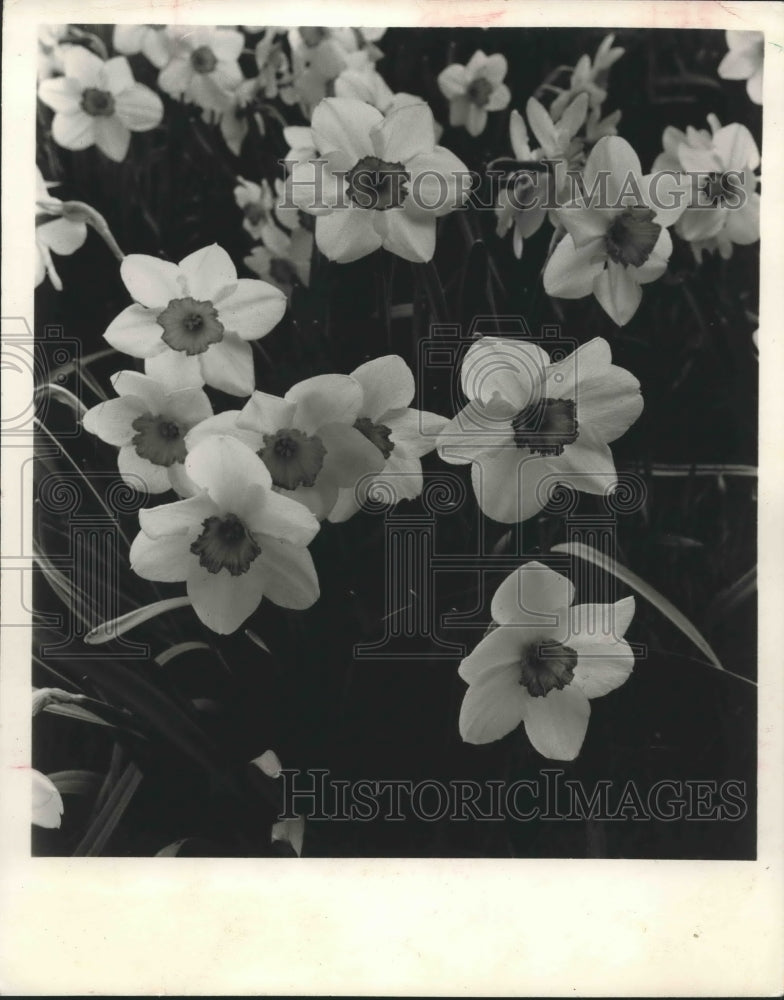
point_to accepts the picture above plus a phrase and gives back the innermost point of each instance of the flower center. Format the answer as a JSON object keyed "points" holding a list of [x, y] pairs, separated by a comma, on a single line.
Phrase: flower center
{"points": [[632, 236], [190, 326], [545, 427], [203, 60], [159, 440], [377, 434], [225, 543], [98, 103], [377, 184], [293, 458], [545, 666], [479, 91]]}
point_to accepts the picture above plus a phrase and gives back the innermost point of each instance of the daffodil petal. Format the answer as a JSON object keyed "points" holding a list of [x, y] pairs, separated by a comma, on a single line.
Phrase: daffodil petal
{"points": [[112, 420], [556, 724], [228, 366], [135, 332], [150, 281], [347, 234], [602, 667], [325, 399], [222, 601], [290, 576], [531, 592], [492, 707], [208, 272], [226, 468], [252, 309]]}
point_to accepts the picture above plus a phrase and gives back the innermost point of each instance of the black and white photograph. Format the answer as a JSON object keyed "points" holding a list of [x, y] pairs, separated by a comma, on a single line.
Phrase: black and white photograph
{"points": [[391, 439]]}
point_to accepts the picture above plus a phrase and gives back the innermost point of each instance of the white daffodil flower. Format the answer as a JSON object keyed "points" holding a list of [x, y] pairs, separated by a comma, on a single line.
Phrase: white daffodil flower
{"points": [[233, 543], [204, 67], [319, 56], [152, 40], [148, 424], [524, 208], [530, 424], [192, 321], [99, 103], [310, 439], [613, 247], [589, 77], [380, 182], [543, 663], [475, 89], [745, 60], [713, 223], [400, 433], [53, 232], [47, 802]]}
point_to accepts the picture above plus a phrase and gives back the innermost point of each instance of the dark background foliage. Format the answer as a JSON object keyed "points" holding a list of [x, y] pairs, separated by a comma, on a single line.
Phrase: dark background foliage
{"points": [[306, 695]]}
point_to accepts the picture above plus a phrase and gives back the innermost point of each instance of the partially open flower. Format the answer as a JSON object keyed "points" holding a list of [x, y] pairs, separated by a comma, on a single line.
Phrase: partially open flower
{"points": [[54, 233], [381, 182], [618, 241], [531, 424], [543, 663], [99, 103], [194, 320], [474, 90], [204, 67], [233, 543], [149, 425], [524, 207], [307, 439], [400, 433], [745, 61]]}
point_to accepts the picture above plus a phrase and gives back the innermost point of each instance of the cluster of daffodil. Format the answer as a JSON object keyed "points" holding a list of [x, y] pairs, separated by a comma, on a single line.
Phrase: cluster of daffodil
{"points": [[254, 484]]}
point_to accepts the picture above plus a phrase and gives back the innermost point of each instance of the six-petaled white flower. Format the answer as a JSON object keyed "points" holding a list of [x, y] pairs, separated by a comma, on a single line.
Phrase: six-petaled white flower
{"points": [[543, 663], [99, 103], [148, 424], [402, 434], [192, 321], [379, 182], [475, 89], [727, 162], [309, 439], [233, 543], [530, 424], [745, 60], [616, 236], [204, 67]]}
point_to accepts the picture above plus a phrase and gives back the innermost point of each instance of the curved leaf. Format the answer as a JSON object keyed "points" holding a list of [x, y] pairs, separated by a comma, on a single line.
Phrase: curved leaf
{"points": [[119, 626], [678, 619]]}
